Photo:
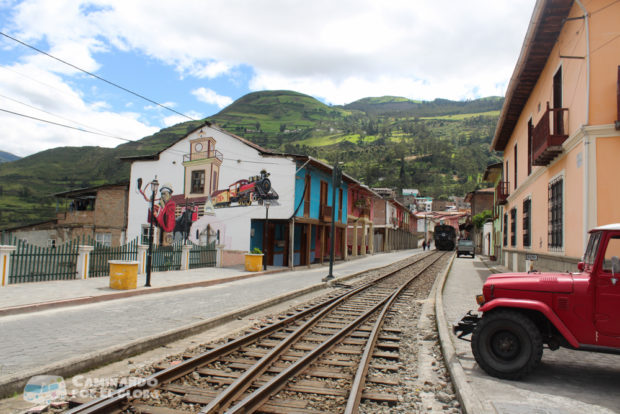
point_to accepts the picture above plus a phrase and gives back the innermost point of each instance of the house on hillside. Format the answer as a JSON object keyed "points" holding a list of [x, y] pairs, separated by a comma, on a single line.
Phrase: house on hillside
{"points": [[96, 213], [559, 133]]}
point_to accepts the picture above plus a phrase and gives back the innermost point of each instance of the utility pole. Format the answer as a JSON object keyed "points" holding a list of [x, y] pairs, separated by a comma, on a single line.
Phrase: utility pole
{"points": [[336, 181]]}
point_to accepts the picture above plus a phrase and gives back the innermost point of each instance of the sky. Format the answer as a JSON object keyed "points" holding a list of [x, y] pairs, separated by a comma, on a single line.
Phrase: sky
{"points": [[192, 58]]}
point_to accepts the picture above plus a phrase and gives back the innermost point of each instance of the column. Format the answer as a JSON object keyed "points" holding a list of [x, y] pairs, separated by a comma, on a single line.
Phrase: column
{"points": [[291, 244], [345, 236], [142, 258], [364, 238], [5, 262], [371, 238], [185, 256], [354, 244], [219, 255], [83, 262]]}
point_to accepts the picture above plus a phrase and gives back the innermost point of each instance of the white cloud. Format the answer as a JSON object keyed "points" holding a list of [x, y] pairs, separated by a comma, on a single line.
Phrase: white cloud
{"points": [[211, 97], [26, 89]]}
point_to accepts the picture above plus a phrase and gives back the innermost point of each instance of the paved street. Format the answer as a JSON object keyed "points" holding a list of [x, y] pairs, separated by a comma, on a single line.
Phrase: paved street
{"points": [[566, 381], [35, 339]]}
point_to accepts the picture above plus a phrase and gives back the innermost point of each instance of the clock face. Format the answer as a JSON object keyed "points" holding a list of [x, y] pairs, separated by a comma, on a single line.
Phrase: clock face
{"points": [[198, 147]]}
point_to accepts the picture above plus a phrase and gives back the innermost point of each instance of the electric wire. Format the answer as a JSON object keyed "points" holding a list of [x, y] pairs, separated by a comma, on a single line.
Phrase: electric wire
{"points": [[96, 76]]}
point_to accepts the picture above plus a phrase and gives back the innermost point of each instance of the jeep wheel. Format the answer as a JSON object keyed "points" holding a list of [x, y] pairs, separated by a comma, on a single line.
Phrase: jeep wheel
{"points": [[507, 344]]}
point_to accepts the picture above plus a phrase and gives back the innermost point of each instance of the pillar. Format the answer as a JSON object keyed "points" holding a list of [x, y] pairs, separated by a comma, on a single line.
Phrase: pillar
{"points": [[345, 236], [219, 255], [142, 258], [364, 238], [291, 244], [185, 256], [354, 244], [5, 262], [83, 262], [371, 238]]}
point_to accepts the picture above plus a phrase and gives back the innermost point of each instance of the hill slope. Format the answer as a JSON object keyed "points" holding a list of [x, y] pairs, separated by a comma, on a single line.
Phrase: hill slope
{"points": [[439, 147], [7, 157]]}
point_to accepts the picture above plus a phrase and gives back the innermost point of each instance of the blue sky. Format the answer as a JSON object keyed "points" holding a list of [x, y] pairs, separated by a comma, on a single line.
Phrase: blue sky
{"points": [[199, 56]]}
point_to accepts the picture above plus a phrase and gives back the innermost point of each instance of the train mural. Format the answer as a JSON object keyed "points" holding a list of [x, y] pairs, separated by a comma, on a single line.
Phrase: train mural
{"points": [[245, 192]]}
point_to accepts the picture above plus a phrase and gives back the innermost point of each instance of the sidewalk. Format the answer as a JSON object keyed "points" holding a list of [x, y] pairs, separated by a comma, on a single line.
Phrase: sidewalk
{"points": [[566, 381], [32, 297]]}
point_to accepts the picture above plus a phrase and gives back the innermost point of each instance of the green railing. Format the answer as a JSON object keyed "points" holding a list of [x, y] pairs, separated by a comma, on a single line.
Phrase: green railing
{"points": [[202, 256], [167, 257], [37, 264], [100, 256]]}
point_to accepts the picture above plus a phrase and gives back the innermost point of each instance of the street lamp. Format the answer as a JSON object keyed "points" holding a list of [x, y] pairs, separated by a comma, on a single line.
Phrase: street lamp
{"points": [[149, 256], [267, 203]]}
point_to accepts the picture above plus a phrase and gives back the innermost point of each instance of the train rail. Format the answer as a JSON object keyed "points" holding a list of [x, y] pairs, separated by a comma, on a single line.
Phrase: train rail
{"points": [[314, 360]]}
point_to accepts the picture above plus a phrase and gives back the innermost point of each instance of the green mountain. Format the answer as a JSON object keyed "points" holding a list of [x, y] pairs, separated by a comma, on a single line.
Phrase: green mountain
{"points": [[7, 157], [440, 147]]}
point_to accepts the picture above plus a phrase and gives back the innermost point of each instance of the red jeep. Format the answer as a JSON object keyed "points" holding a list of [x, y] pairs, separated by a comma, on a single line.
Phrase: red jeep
{"points": [[523, 311]]}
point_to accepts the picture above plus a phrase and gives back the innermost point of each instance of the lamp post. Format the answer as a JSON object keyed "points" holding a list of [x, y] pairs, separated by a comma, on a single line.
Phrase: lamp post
{"points": [[149, 255], [336, 181], [267, 203]]}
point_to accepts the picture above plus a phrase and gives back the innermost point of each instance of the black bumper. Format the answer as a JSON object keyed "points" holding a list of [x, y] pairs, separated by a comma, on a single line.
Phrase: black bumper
{"points": [[466, 325]]}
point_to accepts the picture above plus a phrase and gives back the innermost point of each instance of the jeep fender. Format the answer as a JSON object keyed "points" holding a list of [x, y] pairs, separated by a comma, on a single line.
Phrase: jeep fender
{"points": [[532, 305]]}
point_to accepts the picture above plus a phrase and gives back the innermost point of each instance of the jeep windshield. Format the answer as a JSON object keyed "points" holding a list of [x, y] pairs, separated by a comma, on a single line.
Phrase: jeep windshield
{"points": [[466, 243]]}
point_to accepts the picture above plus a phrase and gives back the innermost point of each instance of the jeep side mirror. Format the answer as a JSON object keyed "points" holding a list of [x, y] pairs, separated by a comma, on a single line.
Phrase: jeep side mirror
{"points": [[581, 266]]}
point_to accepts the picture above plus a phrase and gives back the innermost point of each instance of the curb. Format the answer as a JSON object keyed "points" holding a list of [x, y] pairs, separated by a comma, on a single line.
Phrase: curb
{"points": [[73, 366], [470, 402]]}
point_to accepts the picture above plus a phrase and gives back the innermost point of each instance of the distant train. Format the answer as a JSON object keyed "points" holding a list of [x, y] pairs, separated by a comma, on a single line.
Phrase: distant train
{"points": [[445, 237], [245, 192]]}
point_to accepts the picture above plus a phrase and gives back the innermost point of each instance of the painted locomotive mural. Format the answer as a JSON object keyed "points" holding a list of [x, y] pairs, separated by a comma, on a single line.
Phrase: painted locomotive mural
{"points": [[245, 192], [445, 237]]}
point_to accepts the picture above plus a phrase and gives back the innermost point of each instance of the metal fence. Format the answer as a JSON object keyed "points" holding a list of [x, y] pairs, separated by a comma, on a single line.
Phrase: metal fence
{"points": [[202, 256], [167, 257], [37, 264], [100, 256]]}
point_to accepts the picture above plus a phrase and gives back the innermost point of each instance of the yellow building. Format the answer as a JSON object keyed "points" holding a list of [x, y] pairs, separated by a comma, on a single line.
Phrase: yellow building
{"points": [[560, 135]]}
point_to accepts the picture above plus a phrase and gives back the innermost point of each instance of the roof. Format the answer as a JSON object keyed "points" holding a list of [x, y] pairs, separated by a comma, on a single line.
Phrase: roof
{"points": [[492, 172], [613, 226], [154, 157], [547, 20], [480, 191], [83, 191]]}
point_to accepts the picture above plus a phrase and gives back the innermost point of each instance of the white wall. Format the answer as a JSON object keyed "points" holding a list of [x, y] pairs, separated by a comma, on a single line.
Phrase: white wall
{"points": [[240, 161]]}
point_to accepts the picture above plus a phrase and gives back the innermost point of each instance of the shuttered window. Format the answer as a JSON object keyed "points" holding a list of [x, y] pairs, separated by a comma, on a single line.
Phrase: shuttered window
{"points": [[556, 225]]}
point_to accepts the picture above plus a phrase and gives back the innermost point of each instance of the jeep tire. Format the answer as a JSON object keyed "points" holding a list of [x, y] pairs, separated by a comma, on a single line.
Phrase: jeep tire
{"points": [[507, 344]]}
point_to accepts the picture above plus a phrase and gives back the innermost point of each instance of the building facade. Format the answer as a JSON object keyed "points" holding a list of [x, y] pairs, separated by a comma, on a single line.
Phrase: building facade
{"points": [[558, 131]]}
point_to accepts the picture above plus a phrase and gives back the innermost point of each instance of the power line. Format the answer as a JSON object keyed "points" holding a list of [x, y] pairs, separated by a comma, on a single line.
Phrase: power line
{"points": [[96, 76], [66, 119], [63, 125]]}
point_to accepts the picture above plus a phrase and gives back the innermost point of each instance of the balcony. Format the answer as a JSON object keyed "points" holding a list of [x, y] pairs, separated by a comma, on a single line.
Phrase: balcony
{"points": [[326, 214], [203, 155], [548, 136], [501, 193]]}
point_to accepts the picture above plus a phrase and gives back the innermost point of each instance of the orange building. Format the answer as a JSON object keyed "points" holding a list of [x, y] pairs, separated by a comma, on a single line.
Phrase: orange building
{"points": [[560, 135]]}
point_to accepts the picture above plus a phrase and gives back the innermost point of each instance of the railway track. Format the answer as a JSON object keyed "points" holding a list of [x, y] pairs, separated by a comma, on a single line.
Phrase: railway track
{"points": [[325, 357]]}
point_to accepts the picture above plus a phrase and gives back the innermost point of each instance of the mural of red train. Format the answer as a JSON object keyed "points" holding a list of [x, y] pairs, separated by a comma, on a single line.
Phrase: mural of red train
{"points": [[245, 192]]}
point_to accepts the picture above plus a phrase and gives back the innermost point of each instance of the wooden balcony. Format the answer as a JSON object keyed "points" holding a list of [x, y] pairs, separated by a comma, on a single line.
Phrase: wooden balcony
{"points": [[326, 213], [548, 136], [501, 193]]}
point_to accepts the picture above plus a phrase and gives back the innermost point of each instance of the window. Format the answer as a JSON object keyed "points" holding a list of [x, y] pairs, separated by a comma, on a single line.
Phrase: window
{"points": [[513, 226], [592, 249], [144, 236], [515, 162], [555, 230], [214, 182], [530, 130], [613, 249], [103, 239], [505, 229], [198, 182], [527, 207]]}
